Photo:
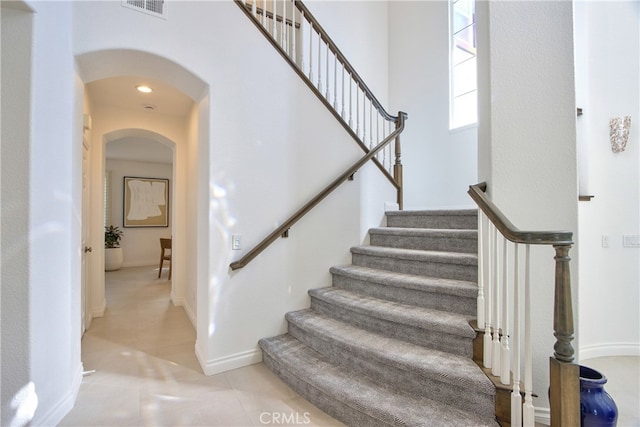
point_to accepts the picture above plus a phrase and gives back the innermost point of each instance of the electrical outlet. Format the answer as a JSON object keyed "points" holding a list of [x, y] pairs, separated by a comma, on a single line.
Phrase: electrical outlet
{"points": [[236, 242], [631, 241], [605, 240]]}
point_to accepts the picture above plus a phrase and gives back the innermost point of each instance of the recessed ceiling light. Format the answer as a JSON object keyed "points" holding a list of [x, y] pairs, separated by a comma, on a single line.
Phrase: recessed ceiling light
{"points": [[144, 89]]}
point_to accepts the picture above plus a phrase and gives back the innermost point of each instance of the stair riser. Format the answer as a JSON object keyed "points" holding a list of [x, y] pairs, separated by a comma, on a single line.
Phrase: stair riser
{"points": [[442, 302], [452, 244], [445, 270], [468, 222], [436, 340], [324, 401], [403, 379]]}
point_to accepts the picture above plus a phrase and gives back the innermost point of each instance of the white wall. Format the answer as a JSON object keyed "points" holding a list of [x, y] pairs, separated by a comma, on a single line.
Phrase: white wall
{"points": [[608, 51], [527, 140], [140, 245], [261, 167], [439, 164], [44, 139], [17, 27]]}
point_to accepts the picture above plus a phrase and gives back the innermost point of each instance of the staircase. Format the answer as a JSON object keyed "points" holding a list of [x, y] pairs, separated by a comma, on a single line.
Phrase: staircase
{"points": [[390, 342]]}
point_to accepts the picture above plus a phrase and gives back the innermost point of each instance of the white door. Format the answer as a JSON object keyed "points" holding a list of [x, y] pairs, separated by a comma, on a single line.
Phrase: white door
{"points": [[86, 247]]}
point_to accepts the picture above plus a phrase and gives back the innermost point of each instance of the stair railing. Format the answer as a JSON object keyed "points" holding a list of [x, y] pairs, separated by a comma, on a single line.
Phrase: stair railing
{"points": [[283, 230], [504, 312], [305, 45]]}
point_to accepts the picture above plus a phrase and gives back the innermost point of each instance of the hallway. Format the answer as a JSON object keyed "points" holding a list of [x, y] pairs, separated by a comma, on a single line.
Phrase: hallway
{"points": [[146, 372]]}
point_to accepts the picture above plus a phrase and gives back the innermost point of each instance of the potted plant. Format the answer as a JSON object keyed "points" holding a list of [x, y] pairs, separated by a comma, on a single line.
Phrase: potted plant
{"points": [[113, 258]]}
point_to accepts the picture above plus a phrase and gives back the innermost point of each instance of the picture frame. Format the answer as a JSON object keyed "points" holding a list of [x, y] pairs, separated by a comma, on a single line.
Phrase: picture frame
{"points": [[146, 202]]}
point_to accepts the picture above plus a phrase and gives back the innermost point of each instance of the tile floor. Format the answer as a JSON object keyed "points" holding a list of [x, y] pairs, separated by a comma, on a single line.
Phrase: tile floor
{"points": [[146, 372]]}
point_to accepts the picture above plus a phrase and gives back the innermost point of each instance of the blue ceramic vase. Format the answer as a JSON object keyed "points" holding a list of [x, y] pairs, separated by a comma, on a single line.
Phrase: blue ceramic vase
{"points": [[597, 408]]}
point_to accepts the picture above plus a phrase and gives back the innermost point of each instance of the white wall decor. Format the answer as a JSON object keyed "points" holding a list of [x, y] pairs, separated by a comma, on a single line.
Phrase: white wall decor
{"points": [[619, 133]]}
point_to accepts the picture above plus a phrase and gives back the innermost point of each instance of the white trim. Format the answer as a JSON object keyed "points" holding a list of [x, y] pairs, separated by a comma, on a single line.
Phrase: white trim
{"points": [[610, 349], [182, 302], [99, 312], [543, 416], [227, 363], [463, 127], [59, 410]]}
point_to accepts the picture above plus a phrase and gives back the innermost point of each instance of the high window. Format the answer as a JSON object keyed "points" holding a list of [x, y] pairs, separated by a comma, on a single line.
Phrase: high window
{"points": [[462, 56]]}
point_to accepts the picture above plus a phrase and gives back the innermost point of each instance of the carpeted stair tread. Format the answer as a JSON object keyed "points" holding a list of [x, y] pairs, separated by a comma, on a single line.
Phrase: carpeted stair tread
{"points": [[418, 255], [450, 240], [442, 218], [419, 317], [430, 292], [450, 265], [462, 288], [427, 364], [355, 399]]}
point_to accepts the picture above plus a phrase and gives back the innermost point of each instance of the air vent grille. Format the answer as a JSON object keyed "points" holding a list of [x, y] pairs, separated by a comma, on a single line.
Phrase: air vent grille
{"points": [[152, 7]]}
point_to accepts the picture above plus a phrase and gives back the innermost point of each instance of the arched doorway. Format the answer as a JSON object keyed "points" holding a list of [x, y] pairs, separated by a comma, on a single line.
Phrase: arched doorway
{"points": [[108, 122]]}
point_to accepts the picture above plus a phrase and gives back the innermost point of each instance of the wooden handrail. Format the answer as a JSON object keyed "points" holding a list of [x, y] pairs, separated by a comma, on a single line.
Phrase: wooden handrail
{"points": [[564, 393], [245, 6], [510, 231], [278, 232]]}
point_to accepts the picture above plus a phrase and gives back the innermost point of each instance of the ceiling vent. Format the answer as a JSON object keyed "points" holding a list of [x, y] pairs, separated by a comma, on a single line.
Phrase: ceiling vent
{"points": [[152, 7]]}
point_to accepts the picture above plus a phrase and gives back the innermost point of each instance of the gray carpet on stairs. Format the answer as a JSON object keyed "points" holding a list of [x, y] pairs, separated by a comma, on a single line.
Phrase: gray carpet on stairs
{"points": [[389, 344]]}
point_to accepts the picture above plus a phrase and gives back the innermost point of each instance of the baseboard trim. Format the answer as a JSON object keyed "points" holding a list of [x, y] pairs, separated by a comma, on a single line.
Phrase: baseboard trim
{"points": [[182, 302], [543, 416], [228, 363], [99, 311], [607, 350], [64, 405]]}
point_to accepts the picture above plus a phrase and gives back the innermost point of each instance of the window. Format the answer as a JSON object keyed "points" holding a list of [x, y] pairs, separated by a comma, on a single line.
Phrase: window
{"points": [[463, 98]]}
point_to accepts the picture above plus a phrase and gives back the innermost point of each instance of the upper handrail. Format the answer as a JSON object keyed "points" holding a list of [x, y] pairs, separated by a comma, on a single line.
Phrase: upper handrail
{"points": [[318, 198], [252, 7], [343, 59], [510, 231]]}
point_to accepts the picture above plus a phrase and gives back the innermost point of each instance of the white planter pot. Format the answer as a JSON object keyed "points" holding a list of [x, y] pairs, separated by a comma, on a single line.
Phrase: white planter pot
{"points": [[113, 259]]}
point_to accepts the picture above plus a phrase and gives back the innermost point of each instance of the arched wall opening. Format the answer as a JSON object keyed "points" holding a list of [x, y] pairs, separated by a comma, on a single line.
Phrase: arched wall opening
{"points": [[189, 141]]}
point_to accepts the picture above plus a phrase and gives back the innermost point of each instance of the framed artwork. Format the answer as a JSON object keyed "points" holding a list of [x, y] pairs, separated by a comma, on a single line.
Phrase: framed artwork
{"points": [[146, 202]]}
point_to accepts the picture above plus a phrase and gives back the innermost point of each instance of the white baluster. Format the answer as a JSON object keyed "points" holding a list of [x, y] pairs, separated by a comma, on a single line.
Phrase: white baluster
{"points": [[487, 357], [319, 62], [335, 82], [371, 124], [328, 94], [311, 52], [528, 412], [480, 298], [505, 356], [293, 32], [364, 117], [358, 110], [350, 101], [516, 399], [343, 116], [254, 9], [285, 28], [264, 13], [495, 283], [301, 41], [274, 33]]}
